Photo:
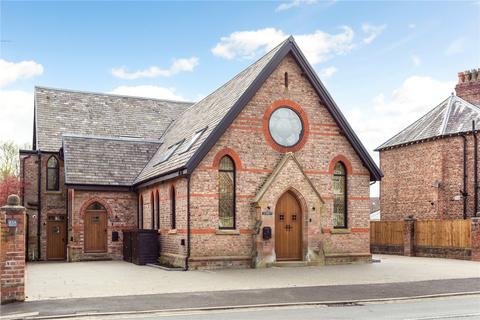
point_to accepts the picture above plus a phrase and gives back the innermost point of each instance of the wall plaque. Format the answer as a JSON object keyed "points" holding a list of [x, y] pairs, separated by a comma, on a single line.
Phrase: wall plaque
{"points": [[12, 223]]}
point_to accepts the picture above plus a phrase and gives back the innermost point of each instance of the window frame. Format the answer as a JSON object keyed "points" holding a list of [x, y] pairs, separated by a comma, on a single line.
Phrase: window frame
{"points": [[302, 132], [140, 212], [345, 195], [157, 208], [152, 210], [234, 197], [192, 140], [173, 208], [56, 169]]}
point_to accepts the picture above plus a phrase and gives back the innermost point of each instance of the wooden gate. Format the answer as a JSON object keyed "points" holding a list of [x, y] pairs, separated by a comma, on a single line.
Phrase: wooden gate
{"points": [[288, 228], [56, 237], [95, 237]]}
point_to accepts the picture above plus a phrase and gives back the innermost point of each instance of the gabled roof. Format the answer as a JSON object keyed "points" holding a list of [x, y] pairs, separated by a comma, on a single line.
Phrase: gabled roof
{"points": [[452, 116], [112, 161], [218, 110], [59, 112]]}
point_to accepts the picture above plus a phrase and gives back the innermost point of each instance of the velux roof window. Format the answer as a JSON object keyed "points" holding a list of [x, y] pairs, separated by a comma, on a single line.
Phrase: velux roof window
{"points": [[194, 139], [169, 152]]}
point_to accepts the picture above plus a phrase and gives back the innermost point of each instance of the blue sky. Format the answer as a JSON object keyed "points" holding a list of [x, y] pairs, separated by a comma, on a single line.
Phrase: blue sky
{"points": [[385, 63]]}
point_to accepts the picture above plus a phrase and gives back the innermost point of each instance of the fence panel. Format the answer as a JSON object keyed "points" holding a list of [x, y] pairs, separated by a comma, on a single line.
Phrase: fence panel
{"points": [[386, 232], [443, 233]]}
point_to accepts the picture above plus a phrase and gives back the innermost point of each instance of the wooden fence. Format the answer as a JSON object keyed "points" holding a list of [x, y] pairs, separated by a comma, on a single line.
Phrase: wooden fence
{"points": [[431, 238], [386, 232], [443, 233]]}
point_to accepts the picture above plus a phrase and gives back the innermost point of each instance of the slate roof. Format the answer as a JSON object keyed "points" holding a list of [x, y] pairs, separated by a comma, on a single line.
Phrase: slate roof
{"points": [[59, 111], [208, 112], [452, 116], [218, 110], [93, 160]]}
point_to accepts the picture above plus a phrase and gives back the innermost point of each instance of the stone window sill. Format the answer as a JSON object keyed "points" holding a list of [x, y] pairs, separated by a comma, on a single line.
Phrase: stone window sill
{"points": [[227, 232], [172, 231], [53, 192], [341, 231]]}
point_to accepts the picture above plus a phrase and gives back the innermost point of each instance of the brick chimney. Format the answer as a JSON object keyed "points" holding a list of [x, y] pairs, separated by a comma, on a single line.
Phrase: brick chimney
{"points": [[468, 86]]}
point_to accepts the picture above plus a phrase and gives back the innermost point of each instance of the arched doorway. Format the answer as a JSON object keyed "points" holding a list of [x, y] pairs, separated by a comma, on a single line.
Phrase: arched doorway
{"points": [[288, 228], [95, 232]]}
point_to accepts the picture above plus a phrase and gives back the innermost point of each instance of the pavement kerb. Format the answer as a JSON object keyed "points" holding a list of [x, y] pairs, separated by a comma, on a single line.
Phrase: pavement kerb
{"points": [[233, 307]]}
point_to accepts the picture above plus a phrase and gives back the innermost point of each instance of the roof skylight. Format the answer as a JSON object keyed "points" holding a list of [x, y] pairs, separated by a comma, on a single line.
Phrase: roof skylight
{"points": [[194, 139], [169, 152]]}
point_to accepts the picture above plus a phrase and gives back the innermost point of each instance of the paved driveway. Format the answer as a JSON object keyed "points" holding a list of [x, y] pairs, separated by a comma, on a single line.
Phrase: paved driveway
{"points": [[55, 280]]}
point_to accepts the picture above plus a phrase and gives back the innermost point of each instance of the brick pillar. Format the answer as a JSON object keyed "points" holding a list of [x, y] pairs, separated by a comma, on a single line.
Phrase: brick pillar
{"points": [[475, 234], [12, 251], [409, 237]]}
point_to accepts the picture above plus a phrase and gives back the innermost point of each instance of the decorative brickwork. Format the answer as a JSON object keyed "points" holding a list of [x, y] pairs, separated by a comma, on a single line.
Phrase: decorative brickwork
{"points": [[468, 87]]}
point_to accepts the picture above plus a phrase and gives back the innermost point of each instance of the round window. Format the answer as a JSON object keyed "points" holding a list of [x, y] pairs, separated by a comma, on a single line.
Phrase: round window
{"points": [[285, 126]]}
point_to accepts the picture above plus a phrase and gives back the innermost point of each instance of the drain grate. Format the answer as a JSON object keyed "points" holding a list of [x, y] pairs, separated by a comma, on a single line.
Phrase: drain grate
{"points": [[345, 304]]}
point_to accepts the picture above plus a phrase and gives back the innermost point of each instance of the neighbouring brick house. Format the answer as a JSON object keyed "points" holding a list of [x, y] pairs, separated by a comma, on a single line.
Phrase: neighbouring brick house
{"points": [[264, 169], [429, 167]]}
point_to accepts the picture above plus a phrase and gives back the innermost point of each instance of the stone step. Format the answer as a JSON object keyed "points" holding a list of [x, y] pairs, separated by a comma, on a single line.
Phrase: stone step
{"points": [[292, 264]]}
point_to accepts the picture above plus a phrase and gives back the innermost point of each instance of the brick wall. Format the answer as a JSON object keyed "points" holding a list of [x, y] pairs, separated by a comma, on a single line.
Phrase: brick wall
{"points": [[246, 137], [171, 248], [51, 202], [121, 214], [410, 172]]}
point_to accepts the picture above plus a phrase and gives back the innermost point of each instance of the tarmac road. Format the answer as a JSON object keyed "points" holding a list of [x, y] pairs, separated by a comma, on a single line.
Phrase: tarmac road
{"points": [[466, 307]]}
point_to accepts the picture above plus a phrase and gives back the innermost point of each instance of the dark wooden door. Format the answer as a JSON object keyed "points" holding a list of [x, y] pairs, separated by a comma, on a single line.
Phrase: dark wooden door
{"points": [[95, 238], [288, 228], [56, 237]]}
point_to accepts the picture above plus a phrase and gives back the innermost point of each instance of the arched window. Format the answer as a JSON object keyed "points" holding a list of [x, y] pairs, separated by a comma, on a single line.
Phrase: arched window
{"points": [[53, 172], [152, 211], [173, 208], [140, 213], [157, 208], [340, 217], [96, 207], [226, 193]]}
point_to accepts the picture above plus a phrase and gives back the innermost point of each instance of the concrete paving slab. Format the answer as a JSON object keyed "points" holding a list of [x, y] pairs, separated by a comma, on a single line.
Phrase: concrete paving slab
{"points": [[54, 280]]}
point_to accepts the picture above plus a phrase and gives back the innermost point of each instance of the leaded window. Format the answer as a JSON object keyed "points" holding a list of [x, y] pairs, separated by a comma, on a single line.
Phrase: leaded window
{"points": [[140, 213], [53, 172], [173, 208], [339, 196], [152, 211], [157, 208], [226, 193]]}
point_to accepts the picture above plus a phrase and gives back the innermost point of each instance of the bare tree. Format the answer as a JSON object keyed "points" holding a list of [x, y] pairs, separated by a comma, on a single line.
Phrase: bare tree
{"points": [[9, 160]]}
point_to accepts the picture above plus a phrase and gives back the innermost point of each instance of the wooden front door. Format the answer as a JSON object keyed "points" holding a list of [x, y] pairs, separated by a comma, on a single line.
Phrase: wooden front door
{"points": [[56, 237], [95, 238], [288, 228]]}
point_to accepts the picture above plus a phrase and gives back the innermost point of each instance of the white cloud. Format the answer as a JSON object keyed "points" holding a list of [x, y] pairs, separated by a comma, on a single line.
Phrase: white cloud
{"points": [[178, 65], [13, 71], [372, 32], [318, 46], [412, 25], [387, 115], [416, 60], [148, 91], [456, 46], [327, 72], [16, 120], [294, 3]]}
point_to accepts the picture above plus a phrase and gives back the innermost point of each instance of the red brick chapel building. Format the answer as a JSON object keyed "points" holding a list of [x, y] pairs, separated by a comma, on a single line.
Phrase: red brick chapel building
{"points": [[431, 167], [264, 169]]}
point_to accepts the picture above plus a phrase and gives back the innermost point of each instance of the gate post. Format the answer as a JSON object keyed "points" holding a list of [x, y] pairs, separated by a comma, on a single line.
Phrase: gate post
{"points": [[409, 237], [475, 234], [12, 251]]}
